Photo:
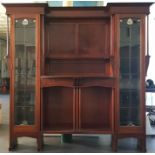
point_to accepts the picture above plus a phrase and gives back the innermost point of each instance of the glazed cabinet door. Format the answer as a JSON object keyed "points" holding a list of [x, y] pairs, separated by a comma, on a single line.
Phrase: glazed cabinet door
{"points": [[131, 72], [25, 71], [25, 67]]}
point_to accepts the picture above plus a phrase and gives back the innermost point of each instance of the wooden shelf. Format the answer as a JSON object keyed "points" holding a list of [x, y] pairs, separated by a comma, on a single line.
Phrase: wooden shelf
{"points": [[129, 107], [81, 131], [89, 75], [75, 57], [25, 88], [24, 106]]}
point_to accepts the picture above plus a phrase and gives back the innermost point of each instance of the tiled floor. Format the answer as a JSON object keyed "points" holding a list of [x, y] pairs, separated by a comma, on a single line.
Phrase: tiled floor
{"points": [[89, 144]]}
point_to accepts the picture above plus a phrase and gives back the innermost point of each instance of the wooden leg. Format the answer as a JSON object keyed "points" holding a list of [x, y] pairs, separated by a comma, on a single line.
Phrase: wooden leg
{"points": [[138, 143], [13, 143], [40, 142], [114, 143], [142, 144]]}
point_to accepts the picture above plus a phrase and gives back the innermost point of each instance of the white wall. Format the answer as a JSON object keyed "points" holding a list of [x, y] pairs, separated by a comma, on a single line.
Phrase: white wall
{"points": [[151, 69]]}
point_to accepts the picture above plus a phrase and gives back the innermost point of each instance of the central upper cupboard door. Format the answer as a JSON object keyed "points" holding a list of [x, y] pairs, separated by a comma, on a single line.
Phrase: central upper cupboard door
{"points": [[25, 71], [78, 38]]}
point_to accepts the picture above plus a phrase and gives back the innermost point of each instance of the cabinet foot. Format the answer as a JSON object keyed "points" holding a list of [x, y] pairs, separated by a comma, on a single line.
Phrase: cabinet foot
{"points": [[13, 144], [40, 143], [114, 143], [141, 144]]}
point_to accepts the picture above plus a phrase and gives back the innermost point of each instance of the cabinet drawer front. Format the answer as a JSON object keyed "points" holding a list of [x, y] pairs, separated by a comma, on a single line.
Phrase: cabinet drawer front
{"points": [[51, 82], [87, 82]]}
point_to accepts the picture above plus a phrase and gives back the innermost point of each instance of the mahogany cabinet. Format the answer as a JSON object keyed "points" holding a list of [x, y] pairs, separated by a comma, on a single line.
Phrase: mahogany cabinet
{"points": [[78, 70]]}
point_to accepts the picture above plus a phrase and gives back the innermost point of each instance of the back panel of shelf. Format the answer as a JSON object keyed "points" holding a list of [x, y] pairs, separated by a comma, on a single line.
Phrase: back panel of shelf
{"points": [[78, 46]]}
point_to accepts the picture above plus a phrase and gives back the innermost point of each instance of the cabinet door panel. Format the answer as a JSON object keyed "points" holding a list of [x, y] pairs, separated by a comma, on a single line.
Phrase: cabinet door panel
{"points": [[58, 108], [58, 44], [95, 108], [25, 71], [94, 38], [130, 52]]}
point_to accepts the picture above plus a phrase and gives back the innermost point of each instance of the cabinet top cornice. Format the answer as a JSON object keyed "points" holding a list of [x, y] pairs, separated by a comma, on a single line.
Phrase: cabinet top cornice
{"points": [[111, 8]]}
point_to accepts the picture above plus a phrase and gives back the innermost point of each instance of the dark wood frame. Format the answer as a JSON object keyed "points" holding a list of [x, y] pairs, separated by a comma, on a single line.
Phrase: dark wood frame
{"points": [[44, 14]]}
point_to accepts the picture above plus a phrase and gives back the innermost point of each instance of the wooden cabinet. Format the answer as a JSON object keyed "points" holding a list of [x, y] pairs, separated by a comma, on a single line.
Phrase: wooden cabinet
{"points": [[78, 70]]}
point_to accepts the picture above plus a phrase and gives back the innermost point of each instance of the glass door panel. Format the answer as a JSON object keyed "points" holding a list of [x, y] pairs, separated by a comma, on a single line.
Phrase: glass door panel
{"points": [[129, 71], [24, 91]]}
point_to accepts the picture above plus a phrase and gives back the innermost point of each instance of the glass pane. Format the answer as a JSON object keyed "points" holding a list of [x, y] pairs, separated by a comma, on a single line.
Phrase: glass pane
{"points": [[129, 71], [24, 71], [129, 117]]}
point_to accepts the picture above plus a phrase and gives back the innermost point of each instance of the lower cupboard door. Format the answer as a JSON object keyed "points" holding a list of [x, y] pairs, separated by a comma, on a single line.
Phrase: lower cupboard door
{"points": [[95, 108], [58, 108]]}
